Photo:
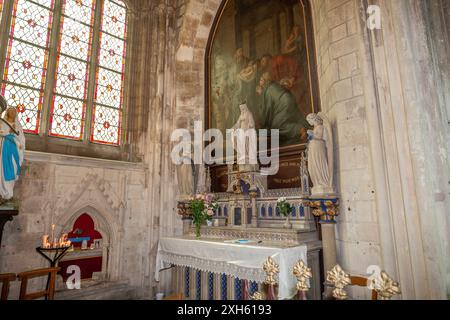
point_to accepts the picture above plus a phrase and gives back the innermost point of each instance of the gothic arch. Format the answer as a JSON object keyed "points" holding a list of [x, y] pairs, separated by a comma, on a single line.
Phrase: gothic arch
{"points": [[108, 228], [194, 38], [101, 223]]}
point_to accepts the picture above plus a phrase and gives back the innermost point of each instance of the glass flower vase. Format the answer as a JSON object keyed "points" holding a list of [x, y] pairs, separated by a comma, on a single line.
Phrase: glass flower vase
{"points": [[197, 230]]}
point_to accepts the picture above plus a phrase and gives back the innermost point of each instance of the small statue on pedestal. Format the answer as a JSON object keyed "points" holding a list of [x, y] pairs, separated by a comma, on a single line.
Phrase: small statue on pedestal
{"points": [[12, 147], [185, 178], [304, 176], [246, 149], [320, 154]]}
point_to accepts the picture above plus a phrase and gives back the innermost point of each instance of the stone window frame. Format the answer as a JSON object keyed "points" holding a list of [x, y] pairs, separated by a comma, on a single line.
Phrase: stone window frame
{"points": [[42, 141]]}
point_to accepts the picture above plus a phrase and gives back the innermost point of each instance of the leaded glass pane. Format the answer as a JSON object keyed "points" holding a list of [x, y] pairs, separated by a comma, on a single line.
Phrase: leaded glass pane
{"points": [[114, 18], [71, 77], [109, 88], [26, 64], [45, 3], [106, 128], [111, 53], [26, 60], [75, 39], [27, 102], [108, 92], [80, 10], [67, 117], [31, 22], [67, 113]]}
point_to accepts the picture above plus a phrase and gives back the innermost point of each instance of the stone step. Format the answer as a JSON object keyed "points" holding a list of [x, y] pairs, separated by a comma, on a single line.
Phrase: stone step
{"points": [[98, 290]]}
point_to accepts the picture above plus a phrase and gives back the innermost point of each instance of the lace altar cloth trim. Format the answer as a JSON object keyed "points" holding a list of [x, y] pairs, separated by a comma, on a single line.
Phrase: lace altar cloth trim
{"points": [[241, 261], [218, 267]]}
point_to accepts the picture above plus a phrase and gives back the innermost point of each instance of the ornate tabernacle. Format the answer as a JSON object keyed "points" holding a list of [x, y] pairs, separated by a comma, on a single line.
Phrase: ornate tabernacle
{"points": [[249, 204]]}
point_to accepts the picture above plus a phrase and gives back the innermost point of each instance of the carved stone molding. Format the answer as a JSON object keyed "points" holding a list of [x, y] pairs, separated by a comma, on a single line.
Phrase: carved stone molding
{"points": [[94, 181], [147, 8]]}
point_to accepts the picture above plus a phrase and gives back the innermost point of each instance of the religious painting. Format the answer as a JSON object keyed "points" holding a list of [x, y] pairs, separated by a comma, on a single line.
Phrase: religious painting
{"points": [[261, 53]]}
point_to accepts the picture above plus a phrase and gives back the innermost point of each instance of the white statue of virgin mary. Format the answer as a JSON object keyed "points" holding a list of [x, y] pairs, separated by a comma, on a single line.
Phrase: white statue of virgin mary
{"points": [[12, 147], [320, 154], [246, 149]]}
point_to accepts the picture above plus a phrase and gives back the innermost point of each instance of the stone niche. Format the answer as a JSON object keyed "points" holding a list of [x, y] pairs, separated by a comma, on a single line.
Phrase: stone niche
{"points": [[93, 241], [90, 243]]}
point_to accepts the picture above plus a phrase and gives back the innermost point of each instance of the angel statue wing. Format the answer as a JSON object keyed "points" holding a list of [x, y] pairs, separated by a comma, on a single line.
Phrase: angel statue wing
{"points": [[328, 137]]}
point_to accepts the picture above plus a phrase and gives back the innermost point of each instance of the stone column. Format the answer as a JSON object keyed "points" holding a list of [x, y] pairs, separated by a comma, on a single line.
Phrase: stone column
{"points": [[326, 209], [328, 244], [406, 118]]}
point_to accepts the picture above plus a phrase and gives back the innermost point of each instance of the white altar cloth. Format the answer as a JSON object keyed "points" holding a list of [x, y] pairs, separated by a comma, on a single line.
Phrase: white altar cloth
{"points": [[243, 261]]}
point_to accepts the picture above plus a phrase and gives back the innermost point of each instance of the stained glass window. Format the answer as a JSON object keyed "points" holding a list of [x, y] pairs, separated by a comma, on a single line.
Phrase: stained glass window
{"points": [[110, 73], [60, 70], [26, 60], [70, 91]]}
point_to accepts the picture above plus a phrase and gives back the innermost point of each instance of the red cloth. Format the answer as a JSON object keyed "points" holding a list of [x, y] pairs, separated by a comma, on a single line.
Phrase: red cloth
{"points": [[87, 267], [83, 227]]}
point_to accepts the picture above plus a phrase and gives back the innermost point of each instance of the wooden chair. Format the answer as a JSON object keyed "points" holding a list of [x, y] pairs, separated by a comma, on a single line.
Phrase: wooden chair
{"points": [[362, 282], [5, 279], [48, 293]]}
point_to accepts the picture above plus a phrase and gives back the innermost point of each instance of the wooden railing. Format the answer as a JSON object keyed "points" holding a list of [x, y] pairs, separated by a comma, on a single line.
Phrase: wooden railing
{"points": [[23, 277]]}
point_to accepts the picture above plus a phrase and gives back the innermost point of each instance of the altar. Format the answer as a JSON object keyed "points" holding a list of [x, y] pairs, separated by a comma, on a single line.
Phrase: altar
{"points": [[282, 225], [227, 269]]}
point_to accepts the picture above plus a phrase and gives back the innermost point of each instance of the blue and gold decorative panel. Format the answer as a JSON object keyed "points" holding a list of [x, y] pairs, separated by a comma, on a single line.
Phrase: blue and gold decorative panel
{"points": [[253, 287], [237, 289], [223, 286], [187, 281], [211, 286], [302, 211], [198, 285]]}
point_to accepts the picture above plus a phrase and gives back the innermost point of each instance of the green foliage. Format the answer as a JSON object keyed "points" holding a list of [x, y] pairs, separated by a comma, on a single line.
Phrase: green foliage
{"points": [[284, 207], [202, 208]]}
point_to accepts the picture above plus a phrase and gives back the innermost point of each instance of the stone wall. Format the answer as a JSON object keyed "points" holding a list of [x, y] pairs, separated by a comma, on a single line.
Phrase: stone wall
{"points": [[339, 56], [57, 189], [130, 196]]}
